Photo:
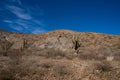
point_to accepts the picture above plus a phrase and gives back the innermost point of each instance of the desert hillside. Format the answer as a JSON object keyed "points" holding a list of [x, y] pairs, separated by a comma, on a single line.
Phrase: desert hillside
{"points": [[59, 55]]}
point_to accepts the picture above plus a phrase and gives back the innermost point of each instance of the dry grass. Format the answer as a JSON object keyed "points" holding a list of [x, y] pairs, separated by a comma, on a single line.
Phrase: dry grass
{"points": [[88, 62], [56, 54], [36, 68], [16, 65]]}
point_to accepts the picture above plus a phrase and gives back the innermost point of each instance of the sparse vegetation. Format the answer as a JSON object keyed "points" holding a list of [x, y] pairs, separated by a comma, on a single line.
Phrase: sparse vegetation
{"points": [[96, 59], [52, 53], [13, 66], [116, 45], [5, 45], [59, 54], [91, 56]]}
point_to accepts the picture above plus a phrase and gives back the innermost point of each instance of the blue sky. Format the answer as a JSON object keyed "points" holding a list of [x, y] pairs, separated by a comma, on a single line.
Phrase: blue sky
{"points": [[39, 16]]}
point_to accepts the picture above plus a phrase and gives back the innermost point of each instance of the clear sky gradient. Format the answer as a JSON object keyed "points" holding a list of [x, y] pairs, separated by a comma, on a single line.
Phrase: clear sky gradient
{"points": [[38, 16]]}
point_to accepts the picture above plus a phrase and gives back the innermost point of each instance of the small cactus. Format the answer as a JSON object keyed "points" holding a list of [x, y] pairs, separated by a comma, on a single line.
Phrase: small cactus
{"points": [[25, 44]]}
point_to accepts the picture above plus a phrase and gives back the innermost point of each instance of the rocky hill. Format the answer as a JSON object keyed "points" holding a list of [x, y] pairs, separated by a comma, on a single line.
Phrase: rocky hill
{"points": [[68, 48], [65, 40], [61, 39]]}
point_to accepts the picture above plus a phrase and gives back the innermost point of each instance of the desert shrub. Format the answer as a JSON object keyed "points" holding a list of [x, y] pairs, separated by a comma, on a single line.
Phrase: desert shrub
{"points": [[6, 75], [103, 66], [116, 45], [21, 72], [71, 56], [91, 56], [116, 55], [13, 66], [106, 71], [11, 53], [47, 65], [15, 69], [52, 53], [58, 54], [3, 53], [5, 45], [62, 70], [106, 51]]}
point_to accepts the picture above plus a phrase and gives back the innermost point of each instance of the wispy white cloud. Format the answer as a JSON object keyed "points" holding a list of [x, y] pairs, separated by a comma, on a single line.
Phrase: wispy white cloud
{"points": [[19, 12], [27, 18], [7, 21], [18, 28], [22, 23], [26, 26], [38, 22]]}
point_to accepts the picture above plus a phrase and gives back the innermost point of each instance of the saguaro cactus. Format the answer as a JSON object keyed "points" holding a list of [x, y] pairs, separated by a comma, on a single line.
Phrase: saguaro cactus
{"points": [[75, 42]]}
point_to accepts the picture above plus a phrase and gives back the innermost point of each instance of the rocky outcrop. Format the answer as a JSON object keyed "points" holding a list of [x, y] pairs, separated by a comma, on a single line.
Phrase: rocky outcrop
{"points": [[64, 40]]}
